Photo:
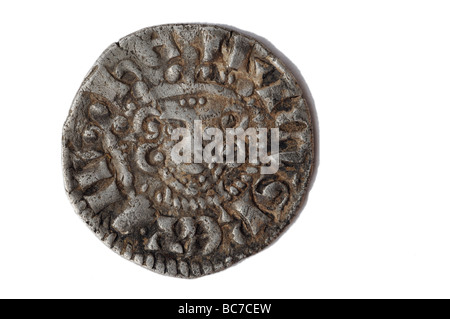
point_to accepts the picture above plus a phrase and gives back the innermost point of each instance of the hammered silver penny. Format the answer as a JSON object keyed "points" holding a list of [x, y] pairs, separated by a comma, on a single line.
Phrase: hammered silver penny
{"points": [[190, 219]]}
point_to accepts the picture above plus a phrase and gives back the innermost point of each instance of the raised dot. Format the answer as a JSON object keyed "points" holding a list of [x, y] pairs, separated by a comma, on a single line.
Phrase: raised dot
{"points": [[202, 101], [182, 102], [173, 73], [192, 101]]}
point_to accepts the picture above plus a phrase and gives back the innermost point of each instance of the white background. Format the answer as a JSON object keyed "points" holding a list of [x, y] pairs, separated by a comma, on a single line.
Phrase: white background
{"points": [[377, 221]]}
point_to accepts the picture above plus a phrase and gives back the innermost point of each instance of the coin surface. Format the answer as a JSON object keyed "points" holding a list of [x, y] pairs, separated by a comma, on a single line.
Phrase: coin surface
{"points": [[195, 216]]}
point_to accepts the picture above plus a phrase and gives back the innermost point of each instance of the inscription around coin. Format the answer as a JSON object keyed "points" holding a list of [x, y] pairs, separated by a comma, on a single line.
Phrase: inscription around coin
{"points": [[185, 219]]}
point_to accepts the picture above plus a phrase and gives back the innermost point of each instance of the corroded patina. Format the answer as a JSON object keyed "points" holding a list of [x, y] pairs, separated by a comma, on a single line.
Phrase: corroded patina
{"points": [[191, 219]]}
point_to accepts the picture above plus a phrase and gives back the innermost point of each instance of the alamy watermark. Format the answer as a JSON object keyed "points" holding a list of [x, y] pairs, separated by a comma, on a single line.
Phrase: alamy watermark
{"points": [[190, 148]]}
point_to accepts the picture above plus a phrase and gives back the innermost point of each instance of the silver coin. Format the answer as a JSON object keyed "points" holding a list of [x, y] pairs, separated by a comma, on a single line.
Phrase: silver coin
{"points": [[196, 216]]}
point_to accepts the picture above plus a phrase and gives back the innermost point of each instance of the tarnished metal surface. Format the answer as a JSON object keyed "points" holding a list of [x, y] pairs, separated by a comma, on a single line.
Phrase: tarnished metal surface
{"points": [[192, 219]]}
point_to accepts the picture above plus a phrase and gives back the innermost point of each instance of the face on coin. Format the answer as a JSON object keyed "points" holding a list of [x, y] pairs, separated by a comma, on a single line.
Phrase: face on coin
{"points": [[188, 148]]}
